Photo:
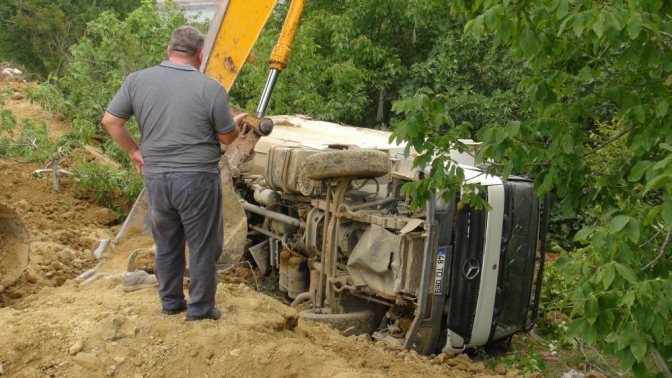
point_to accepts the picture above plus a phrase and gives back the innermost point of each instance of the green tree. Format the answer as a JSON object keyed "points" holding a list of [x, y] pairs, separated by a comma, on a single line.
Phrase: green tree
{"points": [[111, 49], [97, 66], [598, 134], [352, 59], [37, 33]]}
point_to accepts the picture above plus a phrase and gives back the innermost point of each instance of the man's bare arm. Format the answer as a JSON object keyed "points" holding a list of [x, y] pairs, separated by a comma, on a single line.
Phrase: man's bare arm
{"points": [[116, 127], [229, 137]]}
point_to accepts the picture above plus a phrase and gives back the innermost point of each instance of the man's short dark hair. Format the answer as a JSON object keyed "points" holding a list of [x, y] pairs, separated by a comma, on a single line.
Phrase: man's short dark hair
{"points": [[187, 40]]}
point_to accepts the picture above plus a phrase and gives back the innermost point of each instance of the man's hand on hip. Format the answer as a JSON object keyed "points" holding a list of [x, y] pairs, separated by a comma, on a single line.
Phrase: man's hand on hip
{"points": [[116, 127], [136, 156]]}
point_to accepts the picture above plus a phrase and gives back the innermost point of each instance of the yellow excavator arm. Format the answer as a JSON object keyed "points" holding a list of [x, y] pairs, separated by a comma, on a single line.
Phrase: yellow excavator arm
{"points": [[233, 32], [235, 29]]}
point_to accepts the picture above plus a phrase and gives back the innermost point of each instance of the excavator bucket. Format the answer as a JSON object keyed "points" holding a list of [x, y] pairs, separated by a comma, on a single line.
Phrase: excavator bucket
{"points": [[137, 230], [235, 28], [14, 246]]}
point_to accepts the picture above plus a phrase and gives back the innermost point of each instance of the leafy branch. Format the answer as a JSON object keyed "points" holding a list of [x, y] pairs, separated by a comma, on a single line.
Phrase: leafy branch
{"points": [[661, 250]]}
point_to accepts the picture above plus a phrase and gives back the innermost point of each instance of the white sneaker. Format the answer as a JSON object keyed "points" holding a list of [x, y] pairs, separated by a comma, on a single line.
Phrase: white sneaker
{"points": [[138, 279]]}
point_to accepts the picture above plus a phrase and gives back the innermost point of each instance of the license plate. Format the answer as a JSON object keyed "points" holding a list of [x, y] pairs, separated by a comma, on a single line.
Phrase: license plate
{"points": [[440, 273]]}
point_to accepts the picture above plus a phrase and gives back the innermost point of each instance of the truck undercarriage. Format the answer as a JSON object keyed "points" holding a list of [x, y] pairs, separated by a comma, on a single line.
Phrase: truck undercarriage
{"points": [[333, 222]]}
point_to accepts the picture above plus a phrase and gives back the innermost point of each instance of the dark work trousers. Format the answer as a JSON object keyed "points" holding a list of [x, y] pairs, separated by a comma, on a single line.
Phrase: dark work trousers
{"points": [[186, 207]]}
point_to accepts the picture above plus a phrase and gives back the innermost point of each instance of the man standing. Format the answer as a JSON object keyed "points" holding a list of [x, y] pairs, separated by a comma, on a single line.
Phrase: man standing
{"points": [[183, 117]]}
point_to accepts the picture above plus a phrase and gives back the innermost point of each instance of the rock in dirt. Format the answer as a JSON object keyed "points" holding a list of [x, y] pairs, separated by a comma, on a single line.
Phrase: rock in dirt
{"points": [[77, 347], [22, 206], [500, 369], [87, 360], [573, 374], [513, 373], [116, 327], [106, 216]]}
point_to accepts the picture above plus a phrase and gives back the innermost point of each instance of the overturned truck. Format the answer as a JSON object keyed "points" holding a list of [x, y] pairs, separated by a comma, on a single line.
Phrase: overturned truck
{"points": [[324, 209]]}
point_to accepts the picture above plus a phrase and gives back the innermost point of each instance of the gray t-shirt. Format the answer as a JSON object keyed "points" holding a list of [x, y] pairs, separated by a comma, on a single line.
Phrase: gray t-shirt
{"points": [[180, 112]]}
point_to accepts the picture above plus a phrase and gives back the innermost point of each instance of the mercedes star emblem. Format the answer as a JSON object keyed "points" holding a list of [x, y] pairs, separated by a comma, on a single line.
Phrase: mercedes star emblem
{"points": [[471, 268]]}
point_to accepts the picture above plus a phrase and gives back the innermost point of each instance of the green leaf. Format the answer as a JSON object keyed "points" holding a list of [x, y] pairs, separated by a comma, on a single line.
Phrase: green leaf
{"points": [[640, 115], [467, 27], [586, 74], [625, 253], [477, 27], [612, 337], [661, 109], [628, 299], [584, 232], [658, 326], [589, 334], [645, 317], [666, 209], [592, 308], [627, 360], [578, 24], [508, 168], [567, 144], [638, 170], [609, 275], [490, 19], [626, 333], [504, 30], [598, 240], [512, 128], [604, 322], [528, 42], [598, 26], [562, 263], [611, 20], [651, 216], [563, 25], [618, 223], [576, 328], [627, 273], [633, 230], [563, 8], [657, 182], [634, 25], [638, 348], [500, 136], [572, 271], [640, 371]]}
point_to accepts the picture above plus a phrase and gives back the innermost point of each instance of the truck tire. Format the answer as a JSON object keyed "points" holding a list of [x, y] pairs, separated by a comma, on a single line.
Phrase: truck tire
{"points": [[348, 163], [355, 321]]}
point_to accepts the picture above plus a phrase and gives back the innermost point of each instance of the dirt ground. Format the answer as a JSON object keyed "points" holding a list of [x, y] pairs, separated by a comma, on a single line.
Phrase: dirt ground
{"points": [[52, 325]]}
